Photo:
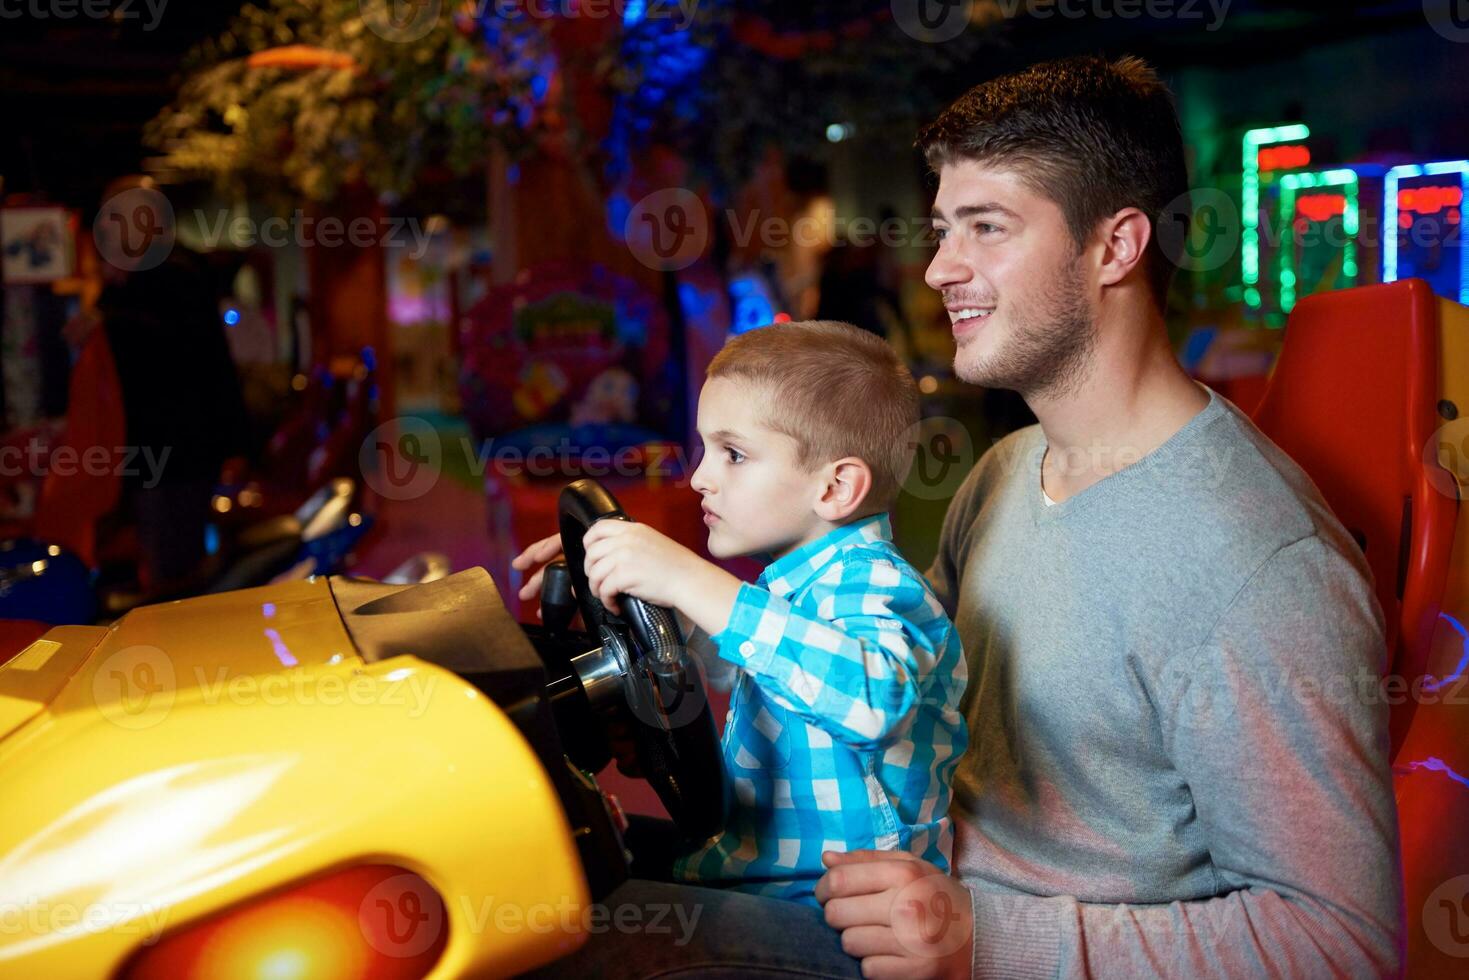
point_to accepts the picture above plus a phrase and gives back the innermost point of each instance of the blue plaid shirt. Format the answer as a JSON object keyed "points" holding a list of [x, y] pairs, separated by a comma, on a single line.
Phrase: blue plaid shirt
{"points": [[844, 725]]}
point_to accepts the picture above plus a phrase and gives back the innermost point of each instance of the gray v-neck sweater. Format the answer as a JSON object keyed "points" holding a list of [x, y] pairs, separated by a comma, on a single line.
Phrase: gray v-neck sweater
{"points": [[1178, 758]]}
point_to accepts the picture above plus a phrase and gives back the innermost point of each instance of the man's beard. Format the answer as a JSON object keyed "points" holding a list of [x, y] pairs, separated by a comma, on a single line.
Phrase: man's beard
{"points": [[1045, 354]]}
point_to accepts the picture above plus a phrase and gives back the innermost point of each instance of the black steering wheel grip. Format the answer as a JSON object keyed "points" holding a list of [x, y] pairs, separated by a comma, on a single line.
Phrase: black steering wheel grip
{"points": [[666, 704]]}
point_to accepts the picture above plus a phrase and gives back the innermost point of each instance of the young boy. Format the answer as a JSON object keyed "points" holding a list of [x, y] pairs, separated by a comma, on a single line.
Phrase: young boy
{"points": [[844, 725]]}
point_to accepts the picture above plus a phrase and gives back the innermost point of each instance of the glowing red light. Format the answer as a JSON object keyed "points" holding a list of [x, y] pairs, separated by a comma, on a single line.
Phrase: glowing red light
{"points": [[1429, 200], [782, 318], [1284, 157], [373, 922], [1320, 207]]}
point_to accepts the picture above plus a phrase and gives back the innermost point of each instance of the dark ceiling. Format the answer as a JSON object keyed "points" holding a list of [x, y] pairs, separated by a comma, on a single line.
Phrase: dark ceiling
{"points": [[78, 90]]}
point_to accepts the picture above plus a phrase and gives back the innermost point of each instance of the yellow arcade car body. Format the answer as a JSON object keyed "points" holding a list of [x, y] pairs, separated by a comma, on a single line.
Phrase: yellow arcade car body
{"points": [[199, 789]]}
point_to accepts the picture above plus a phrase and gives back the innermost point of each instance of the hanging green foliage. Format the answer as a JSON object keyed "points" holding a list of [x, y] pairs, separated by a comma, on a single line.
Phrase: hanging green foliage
{"points": [[299, 98]]}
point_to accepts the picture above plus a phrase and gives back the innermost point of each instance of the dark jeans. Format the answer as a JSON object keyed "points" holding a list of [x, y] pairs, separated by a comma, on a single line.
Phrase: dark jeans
{"points": [[657, 929]]}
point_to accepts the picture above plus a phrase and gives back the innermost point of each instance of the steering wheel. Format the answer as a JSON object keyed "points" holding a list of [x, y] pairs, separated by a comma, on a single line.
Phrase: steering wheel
{"points": [[661, 688]]}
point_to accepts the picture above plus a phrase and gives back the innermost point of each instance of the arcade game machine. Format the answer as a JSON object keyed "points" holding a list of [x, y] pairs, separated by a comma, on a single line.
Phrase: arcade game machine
{"points": [[338, 778], [567, 372]]}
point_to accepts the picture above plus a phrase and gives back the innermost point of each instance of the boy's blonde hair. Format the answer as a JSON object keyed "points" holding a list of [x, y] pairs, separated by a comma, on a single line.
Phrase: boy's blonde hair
{"points": [[835, 389]]}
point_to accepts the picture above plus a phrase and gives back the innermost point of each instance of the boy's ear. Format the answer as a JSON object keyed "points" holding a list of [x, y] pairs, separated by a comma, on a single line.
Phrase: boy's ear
{"points": [[848, 481]]}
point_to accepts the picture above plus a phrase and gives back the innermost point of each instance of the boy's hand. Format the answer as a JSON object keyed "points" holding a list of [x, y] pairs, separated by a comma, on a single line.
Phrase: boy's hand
{"points": [[633, 559], [542, 553], [624, 557], [898, 914]]}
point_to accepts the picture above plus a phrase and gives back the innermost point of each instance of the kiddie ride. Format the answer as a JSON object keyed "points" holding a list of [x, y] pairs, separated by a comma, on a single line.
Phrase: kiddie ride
{"points": [[338, 777]]}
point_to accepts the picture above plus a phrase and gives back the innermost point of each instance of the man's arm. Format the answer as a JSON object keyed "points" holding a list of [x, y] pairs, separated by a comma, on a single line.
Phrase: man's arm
{"points": [[1277, 734]]}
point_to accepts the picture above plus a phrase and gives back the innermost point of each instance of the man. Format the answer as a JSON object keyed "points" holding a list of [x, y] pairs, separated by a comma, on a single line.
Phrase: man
{"points": [[1160, 615], [180, 390]]}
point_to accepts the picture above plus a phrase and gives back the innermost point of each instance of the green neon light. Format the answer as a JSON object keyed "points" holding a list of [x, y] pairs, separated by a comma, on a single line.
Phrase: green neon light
{"points": [[1290, 184], [1250, 199]]}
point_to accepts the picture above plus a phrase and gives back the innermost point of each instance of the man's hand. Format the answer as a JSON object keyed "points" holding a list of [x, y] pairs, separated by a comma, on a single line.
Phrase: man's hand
{"points": [[541, 554], [624, 558], [901, 916]]}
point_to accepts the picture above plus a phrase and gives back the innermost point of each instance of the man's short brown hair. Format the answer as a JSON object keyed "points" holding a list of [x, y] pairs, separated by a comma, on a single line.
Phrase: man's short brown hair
{"points": [[837, 391], [1095, 136]]}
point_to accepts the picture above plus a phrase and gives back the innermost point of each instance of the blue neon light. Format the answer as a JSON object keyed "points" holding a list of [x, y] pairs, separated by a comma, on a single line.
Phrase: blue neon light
{"points": [[1390, 215]]}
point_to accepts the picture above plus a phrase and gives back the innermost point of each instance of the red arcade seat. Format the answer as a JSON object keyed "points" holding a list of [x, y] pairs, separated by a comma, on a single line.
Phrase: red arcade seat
{"points": [[1353, 399]]}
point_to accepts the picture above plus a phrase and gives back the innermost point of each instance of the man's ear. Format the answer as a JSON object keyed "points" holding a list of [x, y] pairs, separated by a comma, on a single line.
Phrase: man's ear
{"points": [[1124, 238], [848, 482]]}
